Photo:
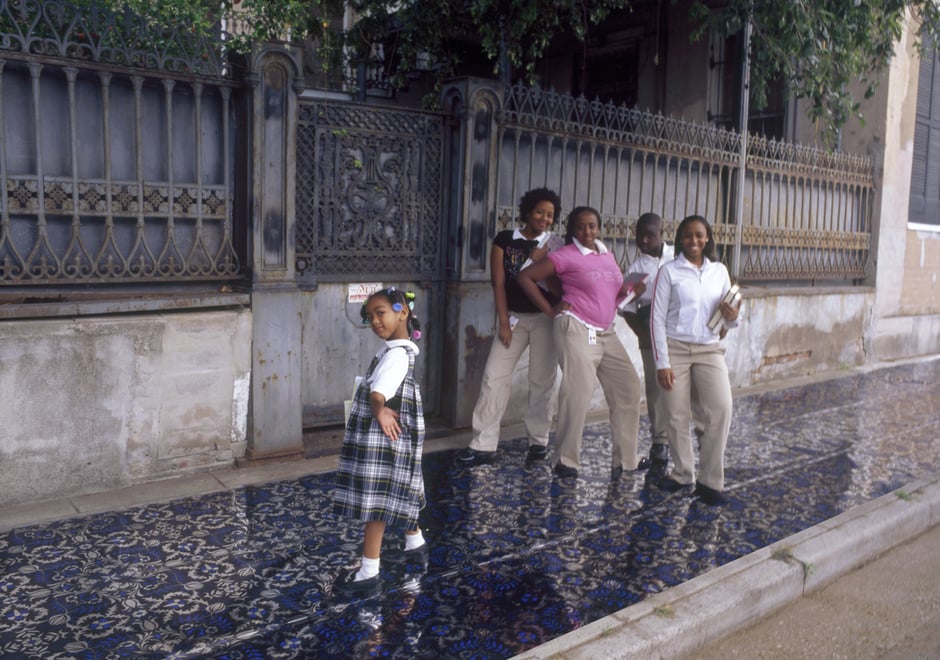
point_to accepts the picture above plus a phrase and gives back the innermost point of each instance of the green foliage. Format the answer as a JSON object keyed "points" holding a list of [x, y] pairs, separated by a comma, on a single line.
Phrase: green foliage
{"points": [[829, 52], [825, 50], [664, 611], [517, 32], [782, 553]]}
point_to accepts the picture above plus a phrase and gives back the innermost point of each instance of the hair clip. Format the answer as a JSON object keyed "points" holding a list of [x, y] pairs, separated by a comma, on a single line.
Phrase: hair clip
{"points": [[397, 306], [415, 335]]}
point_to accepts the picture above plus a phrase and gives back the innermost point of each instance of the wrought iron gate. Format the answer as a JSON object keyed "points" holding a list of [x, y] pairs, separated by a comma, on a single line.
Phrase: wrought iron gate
{"points": [[370, 207]]}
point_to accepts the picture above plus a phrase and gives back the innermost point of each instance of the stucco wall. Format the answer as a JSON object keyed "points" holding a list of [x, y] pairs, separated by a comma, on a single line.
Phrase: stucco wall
{"points": [[906, 313], [789, 334], [97, 403]]}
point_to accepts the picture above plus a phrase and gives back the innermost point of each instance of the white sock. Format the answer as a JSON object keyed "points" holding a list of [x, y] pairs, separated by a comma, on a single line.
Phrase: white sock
{"points": [[413, 541], [369, 568]]}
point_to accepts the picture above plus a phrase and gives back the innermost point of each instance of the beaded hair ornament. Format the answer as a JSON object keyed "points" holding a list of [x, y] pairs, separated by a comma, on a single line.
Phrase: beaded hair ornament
{"points": [[398, 299]]}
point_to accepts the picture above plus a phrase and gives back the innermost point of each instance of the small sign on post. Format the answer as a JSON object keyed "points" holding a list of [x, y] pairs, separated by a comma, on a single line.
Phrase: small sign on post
{"points": [[360, 291]]}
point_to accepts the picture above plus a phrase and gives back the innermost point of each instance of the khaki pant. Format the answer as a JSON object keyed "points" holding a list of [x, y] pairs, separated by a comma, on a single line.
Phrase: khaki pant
{"points": [[581, 362], [700, 374], [654, 403], [654, 406], [533, 331]]}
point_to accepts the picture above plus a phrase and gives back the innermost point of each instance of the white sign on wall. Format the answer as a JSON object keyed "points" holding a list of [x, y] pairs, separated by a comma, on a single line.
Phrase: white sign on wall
{"points": [[360, 291]]}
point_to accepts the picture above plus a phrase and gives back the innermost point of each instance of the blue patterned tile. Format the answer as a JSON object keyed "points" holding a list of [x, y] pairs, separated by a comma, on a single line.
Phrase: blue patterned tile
{"points": [[517, 557]]}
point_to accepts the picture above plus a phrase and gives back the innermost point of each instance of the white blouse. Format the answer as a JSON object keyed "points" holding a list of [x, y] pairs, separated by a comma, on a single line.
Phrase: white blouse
{"points": [[684, 298], [392, 368]]}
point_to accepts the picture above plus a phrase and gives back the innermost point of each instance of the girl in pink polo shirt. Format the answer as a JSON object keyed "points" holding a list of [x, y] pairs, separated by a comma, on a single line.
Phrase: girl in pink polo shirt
{"points": [[586, 342]]}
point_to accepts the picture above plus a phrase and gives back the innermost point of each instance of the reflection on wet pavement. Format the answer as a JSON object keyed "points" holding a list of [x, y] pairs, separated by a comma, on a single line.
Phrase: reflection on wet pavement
{"points": [[518, 557]]}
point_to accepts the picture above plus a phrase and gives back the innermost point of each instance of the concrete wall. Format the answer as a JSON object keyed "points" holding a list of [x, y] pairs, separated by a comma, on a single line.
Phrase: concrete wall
{"points": [[906, 312], [98, 403], [794, 333]]}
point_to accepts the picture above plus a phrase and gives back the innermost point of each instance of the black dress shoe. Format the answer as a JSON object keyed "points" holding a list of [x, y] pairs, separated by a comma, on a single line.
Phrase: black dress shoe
{"points": [[537, 453], [659, 454], [564, 471], [644, 464], [710, 496], [616, 471], [670, 484], [469, 457], [347, 586], [414, 557]]}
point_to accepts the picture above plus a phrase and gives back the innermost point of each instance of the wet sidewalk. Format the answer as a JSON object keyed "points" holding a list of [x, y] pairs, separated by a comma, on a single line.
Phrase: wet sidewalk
{"points": [[519, 557]]}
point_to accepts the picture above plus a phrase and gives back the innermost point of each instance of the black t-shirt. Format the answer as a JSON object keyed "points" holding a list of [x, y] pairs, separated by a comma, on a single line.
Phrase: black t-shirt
{"points": [[515, 253]]}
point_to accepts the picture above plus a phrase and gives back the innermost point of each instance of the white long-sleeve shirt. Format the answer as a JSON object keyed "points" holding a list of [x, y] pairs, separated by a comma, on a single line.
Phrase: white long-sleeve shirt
{"points": [[684, 298]]}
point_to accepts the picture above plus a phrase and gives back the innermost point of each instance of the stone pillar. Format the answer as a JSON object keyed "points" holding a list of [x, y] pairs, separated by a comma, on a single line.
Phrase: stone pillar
{"points": [[469, 315], [276, 420]]}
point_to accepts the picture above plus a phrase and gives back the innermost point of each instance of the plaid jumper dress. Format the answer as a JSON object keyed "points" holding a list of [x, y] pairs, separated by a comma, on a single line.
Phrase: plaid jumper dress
{"points": [[377, 478]]}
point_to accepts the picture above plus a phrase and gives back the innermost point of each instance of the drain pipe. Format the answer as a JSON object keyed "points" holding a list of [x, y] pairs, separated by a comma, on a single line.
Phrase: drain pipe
{"points": [[742, 158]]}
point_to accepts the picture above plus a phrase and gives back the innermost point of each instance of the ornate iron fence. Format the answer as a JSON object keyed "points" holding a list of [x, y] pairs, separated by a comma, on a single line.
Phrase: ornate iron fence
{"points": [[806, 214], [111, 173]]}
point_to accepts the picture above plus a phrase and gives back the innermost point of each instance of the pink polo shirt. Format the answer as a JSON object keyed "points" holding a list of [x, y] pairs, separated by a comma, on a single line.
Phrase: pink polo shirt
{"points": [[591, 282]]}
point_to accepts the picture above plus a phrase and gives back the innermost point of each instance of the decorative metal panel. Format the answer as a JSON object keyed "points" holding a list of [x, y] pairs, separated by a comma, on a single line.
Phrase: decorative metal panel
{"points": [[369, 198]]}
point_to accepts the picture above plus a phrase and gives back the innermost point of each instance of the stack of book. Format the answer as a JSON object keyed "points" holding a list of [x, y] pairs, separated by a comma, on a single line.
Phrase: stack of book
{"points": [[733, 298]]}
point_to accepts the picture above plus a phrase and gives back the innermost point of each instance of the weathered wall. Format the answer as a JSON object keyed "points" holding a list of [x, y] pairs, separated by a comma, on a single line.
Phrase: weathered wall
{"points": [[98, 403], [906, 313], [793, 333], [336, 346]]}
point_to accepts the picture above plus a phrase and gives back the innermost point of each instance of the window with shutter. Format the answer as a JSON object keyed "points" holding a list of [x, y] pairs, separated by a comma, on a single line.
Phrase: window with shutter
{"points": [[924, 210]]}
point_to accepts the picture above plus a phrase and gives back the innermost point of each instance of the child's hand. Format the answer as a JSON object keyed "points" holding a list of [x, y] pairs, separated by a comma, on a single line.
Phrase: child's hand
{"points": [[639, 288], [388, 421]]}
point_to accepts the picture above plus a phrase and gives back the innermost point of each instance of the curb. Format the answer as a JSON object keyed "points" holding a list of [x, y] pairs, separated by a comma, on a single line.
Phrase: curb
{"points": [[731, 597]]}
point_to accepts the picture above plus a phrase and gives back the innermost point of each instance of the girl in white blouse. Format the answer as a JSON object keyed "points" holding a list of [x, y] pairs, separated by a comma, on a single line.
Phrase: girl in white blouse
{"points": [[690, 360]]}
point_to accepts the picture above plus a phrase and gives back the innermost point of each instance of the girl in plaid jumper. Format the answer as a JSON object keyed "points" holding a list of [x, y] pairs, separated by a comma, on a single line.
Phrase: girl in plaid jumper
{"points": [[379, 480]]}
